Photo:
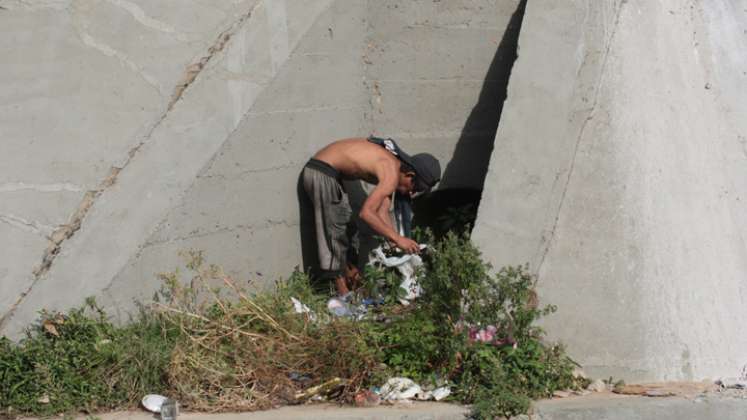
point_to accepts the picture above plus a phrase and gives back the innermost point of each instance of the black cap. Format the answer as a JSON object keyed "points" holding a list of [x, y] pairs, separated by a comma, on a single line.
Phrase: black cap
{"points": [[426, 166], [427, 171]]}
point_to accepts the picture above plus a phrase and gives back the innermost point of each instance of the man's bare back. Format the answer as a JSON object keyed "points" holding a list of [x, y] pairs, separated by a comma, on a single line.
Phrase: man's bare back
{"points": [[357, 158]]}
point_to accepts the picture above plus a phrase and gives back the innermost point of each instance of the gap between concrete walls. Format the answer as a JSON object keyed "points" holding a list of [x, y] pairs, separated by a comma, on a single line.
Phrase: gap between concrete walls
{"points": [[475, 144]]}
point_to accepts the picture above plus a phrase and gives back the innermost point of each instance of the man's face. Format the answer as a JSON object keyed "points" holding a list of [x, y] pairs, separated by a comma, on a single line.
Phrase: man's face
{"points": [[407, 184]]}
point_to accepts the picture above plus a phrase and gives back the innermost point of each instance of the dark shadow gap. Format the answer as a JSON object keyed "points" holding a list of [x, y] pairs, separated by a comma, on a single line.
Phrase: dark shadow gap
{"points": [[453, 207], [475, 145]]}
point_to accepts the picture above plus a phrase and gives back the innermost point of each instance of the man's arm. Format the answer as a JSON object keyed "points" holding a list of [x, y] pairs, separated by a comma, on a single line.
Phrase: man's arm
{"points": [[384, 212], [375, 211]]}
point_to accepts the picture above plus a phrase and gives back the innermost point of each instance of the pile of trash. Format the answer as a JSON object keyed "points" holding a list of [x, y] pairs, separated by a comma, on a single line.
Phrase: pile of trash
{"points": [[407, 265], [394, 391], [346, 306], [400, 389]]}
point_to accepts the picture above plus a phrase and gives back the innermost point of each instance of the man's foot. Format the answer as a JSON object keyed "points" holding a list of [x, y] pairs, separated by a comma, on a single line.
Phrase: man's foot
{"points": [[353, 277]]}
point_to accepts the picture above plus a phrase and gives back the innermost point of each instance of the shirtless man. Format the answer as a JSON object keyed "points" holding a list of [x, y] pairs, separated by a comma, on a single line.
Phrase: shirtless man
{"points": [[374, 160]]}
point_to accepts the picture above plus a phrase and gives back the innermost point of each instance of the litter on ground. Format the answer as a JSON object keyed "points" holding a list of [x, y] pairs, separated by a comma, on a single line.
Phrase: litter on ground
{"points": [[407, 265], [399, 389], [301, 308], [153, 402]]}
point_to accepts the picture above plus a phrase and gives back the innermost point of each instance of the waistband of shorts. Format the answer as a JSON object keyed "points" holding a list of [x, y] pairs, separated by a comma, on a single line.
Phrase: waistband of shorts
{"points": [[324, 168]]}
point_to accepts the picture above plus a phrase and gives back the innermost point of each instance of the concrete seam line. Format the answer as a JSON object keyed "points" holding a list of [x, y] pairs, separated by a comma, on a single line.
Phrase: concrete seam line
{"points": [[261, 3], [30, 226], [368, 82], [66, 231], [22, 186], [582, 131], [251, 229], [194, 69], [60, 235]]}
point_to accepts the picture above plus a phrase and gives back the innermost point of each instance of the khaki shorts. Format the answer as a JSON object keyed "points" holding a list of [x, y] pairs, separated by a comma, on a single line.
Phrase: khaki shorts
{"points": [[336, 232]]}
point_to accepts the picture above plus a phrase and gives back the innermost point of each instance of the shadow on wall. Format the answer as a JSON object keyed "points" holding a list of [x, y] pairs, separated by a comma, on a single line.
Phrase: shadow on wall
{"points": [[475, 145]]}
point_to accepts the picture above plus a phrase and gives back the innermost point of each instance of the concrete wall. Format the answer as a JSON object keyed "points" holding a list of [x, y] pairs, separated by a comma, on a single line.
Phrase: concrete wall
{"points": [[83, 84], [618, 174], [436, 73], [139, 129]]}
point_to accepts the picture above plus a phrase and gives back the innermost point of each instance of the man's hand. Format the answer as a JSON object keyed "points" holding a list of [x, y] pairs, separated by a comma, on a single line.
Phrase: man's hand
{"points": [[407, 245]]}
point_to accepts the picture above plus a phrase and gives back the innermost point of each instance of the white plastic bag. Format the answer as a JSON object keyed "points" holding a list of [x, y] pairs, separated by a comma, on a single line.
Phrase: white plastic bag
{"points": [[407, 266], [301, 308], [396, 389]]}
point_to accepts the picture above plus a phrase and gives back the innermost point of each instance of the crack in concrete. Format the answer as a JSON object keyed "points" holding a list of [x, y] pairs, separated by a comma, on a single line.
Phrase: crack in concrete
{"points": [[194, 69], [250, 229], [139, 15], [277, 18], [582, 131], [34, 6], [66, 231], [201, 234], [22, 186], [108, 51], [81, 29], [442, 79], [58, 236], [454, 26], [30, 226], [302, 110], [250, 171], [367, 62]]}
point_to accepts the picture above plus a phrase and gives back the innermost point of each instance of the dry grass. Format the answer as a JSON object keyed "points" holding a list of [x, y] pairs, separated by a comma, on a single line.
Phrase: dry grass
{"points": [[246, 352]]}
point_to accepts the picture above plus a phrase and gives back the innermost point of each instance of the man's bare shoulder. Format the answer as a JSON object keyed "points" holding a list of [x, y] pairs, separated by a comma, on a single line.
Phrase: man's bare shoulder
{"points": [[358, 158], [349, 145]]}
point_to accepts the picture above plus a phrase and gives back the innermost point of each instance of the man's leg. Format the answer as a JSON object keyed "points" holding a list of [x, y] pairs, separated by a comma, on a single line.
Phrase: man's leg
{"points": [[352, 276], [324, 191], [341, 285], [349, 281], [351, 272]]}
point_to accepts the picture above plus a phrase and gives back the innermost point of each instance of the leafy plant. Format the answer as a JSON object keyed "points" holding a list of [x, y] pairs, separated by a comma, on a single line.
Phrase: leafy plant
{"points": [[83, 362], [461, 295], [216, 347]]}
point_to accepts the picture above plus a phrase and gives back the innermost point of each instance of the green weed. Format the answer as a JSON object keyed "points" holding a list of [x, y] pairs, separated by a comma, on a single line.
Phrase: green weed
{"points": [[82, 362], [224, 348], [461, 295]]}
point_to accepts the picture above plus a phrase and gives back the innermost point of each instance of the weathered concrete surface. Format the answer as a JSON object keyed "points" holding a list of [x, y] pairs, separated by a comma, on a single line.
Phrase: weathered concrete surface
{"points": [[328, 89], [242, 206], [85, 82], [435, 71], [139, 129], [180, 145], [611, 407], [618, 174]]}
